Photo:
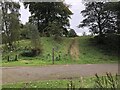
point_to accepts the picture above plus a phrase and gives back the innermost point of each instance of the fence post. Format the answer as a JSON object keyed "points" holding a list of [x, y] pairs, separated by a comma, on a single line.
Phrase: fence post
{"points": [[52, 55]]}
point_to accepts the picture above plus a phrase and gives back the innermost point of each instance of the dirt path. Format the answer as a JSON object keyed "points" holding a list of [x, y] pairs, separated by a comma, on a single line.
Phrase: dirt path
{"points": [[24, 74], [74, 49]]}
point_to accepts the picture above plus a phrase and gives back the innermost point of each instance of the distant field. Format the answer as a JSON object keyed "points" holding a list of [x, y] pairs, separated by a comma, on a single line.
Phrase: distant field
{"points": [[88, 53]]}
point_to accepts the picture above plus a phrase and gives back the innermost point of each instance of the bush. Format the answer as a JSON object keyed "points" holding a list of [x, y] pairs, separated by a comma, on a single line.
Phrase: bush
{"points": [[72, 33], [31, 52]]}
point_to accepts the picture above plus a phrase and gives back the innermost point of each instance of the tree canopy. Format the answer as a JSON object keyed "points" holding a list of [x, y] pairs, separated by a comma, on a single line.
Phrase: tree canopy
{"points": [[115, 7], [98, 19], [42, 13]]}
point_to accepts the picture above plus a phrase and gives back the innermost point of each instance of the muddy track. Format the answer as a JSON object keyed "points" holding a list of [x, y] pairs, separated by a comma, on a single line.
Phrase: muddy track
{"points": [[74, 49], [25, 74]]}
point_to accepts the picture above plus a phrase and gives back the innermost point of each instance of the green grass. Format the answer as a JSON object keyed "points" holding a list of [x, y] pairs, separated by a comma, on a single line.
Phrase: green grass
{"points": [[87, 82], [106, 81], [44, 59], [89, 53]]}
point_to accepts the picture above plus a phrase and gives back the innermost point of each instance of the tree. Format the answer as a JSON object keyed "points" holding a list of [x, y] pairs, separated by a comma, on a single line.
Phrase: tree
{"points": [[34, 36], [24, 31], [115, 7], [54, 29], [36, 47], [99, 20], [10, 22], [72, 33], [42, 13]]}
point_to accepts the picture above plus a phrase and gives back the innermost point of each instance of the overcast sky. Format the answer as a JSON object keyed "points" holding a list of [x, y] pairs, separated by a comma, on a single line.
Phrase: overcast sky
{"points": [[76, 18]]}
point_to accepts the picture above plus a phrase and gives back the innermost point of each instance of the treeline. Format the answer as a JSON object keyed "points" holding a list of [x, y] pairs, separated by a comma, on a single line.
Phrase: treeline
{"points": [[10, 23]]}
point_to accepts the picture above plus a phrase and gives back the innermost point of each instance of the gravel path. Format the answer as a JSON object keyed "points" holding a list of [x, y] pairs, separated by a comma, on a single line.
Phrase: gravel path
{"points": [[20, 74]]}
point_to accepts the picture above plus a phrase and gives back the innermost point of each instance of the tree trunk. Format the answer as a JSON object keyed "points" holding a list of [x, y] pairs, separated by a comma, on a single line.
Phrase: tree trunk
{"points": [[10, 46], [100, 41], [99, 26], [118, 22], [38, 24]]}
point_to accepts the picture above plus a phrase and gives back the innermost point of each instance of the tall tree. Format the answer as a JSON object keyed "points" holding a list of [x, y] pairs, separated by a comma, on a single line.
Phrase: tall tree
{"points": [[34, 36], [115, 7], [99, 20], [10, 22], [44, 12]]}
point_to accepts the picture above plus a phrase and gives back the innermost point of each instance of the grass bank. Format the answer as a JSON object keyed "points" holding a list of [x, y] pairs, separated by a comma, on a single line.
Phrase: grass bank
{"points": [[88, 53]]}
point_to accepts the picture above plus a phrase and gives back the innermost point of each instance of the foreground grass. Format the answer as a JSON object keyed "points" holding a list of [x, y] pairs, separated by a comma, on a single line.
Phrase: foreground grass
{"points": [[89, 54], [107, 81], [83, 82]]}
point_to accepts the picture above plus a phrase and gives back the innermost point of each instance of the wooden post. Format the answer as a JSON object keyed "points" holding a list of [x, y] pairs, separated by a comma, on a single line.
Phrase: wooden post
{"points": [[52, 55]]}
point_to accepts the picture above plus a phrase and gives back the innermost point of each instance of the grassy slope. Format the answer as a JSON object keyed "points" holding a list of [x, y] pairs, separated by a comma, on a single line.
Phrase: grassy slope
{"points": [[92, 54], [46, 57], [89, 54]]}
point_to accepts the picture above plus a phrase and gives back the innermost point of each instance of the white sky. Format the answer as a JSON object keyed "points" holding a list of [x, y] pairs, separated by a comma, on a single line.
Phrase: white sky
{"points": [[76, 18]]}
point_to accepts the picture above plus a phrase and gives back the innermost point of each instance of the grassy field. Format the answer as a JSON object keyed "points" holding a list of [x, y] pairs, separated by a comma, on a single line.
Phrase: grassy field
{"points": [[88, 53]]}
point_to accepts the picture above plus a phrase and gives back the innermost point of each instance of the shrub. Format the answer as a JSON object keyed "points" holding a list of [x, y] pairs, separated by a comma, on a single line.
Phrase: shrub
{"points": [[72, 33], [31, 52]]}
